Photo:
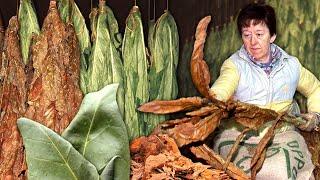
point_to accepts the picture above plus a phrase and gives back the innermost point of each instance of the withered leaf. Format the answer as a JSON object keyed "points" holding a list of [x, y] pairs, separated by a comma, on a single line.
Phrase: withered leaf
{"points": [[55, 96], [204, 152], [172, 106], [199, 69], [12, 104], [264, 141]]}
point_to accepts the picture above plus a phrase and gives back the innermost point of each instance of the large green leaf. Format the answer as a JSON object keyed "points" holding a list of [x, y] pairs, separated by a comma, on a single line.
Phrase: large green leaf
{"points": [[49, 156], [98, 131], [136, 73], [28, 27], [165, 54], [108, 172], [105, 65]]}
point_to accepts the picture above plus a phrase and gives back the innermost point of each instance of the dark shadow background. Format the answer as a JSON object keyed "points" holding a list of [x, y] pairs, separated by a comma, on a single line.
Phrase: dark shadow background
{"points": [[187, 13]]}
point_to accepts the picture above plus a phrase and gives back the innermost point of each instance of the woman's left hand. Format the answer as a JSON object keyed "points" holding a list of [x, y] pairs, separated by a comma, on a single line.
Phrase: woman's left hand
{"points": [[312, 121]]}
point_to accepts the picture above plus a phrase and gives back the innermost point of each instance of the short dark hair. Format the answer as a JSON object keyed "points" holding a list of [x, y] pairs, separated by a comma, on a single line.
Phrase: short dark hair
{"points": [[258, 13]]}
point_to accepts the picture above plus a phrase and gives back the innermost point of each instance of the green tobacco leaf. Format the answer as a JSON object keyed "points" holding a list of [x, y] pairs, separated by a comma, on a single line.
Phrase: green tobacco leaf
{"points": [[113, 28], [28, 27], [98, 131], [108, 172], [105, 65], [49, 156], [136, 73], [165, 54], [64, 7], [84, 43]]}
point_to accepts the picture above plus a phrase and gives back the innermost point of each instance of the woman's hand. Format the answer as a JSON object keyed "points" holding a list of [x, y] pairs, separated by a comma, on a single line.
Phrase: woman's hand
{"points": [[312, 121]]}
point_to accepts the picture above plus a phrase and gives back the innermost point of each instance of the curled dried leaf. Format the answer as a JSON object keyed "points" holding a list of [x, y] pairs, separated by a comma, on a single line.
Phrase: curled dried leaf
{"points": [[195, 129], [203, 111], [235, 147], [264, 141], [258, 165], [204, 152], [199, 69], [172, 106]]}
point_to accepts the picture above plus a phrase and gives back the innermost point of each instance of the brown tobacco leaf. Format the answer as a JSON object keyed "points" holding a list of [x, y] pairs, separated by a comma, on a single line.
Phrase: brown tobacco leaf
{"points": [[204, 152], [55, 96], [264, 141], [163, 127], [172, 106], [204, 111], [13, 97], [194, 129], [1, 38], [199, 69], [235, 147], [158, 157], [258, 165], [249, 115]]}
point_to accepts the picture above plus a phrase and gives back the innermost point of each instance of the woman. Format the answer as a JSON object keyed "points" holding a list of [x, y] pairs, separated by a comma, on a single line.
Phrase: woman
{"points": [[263, 74]]}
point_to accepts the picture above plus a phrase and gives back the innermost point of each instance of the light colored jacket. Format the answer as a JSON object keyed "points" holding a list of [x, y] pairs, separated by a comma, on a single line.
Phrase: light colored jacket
{"points": [[247, 82]]}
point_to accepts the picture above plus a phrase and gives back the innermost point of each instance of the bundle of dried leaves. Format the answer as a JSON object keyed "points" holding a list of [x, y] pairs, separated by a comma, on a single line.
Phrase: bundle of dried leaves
{"points": [[13, 104], [158, 157], [55, 96]]}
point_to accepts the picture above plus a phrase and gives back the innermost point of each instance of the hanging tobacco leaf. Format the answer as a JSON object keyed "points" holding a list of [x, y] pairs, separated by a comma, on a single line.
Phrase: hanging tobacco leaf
{"points": [[105, 65], [113, 27], [98, 132], [28, 27], [49, 156], [135, 67], [13, 97], [164, 47], [93, 16], [55, 96], [64, 7], [1, 37], [70, 13], [1, 49]]}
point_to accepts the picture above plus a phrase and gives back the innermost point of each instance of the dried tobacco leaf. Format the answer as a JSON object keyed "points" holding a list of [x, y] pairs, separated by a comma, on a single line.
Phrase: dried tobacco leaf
{"points": [[172, 106], [158, 157], [55, 96], [13, 104], [204, 152], [187, 130], [235, 147], [203, 111], [199, 69], [264, 141], [1, 37], [1, 49]]}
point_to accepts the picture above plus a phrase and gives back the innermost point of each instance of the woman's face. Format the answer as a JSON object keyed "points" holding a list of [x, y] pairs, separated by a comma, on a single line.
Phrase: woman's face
{"points": [[257, 39]]}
